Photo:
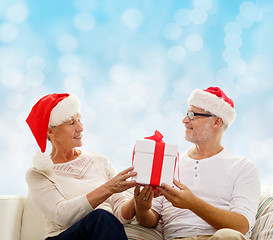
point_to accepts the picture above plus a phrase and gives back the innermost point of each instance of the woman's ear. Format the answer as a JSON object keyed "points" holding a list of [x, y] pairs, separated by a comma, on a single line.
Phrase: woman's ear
{"points": [[50, 133]]}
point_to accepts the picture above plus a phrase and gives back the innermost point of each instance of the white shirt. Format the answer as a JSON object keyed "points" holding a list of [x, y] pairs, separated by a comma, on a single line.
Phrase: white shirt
{"points": [[225, 180], [61, 195]]}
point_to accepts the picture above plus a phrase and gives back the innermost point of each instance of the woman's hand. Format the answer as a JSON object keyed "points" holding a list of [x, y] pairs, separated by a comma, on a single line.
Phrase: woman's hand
{"points": [[143, 203], [119, 182], [143, 198], [115, 185]]}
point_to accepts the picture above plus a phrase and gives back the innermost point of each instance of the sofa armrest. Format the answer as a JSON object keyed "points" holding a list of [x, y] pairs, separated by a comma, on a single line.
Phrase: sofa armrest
{"points": [[11, 209]]}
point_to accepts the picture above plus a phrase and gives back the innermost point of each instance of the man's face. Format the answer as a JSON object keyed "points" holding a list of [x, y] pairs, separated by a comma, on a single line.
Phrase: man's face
{"points": [[198, 129]]}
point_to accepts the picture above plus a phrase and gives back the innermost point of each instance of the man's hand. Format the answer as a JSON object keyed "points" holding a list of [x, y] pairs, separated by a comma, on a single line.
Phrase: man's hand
{"points": [[182, 198]]}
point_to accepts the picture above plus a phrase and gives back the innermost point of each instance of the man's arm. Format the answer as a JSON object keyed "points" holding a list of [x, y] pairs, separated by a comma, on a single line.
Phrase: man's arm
{"points": [[143, 202], [218, 218]]}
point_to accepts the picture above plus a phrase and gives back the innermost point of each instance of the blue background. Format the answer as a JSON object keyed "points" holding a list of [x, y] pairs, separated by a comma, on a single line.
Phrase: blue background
{"points": [[133, 65]]}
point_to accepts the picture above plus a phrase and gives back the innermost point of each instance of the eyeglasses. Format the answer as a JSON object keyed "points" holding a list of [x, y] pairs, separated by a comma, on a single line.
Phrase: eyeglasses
{"points": [[192, 114]]}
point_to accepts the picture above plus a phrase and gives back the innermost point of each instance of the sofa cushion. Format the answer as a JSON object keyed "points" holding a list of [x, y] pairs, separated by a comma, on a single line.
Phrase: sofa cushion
{"points": [[263, 228], [135, 231], [32, 221]]}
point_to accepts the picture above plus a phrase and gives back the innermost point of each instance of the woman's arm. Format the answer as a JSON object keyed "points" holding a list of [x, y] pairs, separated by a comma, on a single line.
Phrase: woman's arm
{"points": [[52, 203], [63, 211]]}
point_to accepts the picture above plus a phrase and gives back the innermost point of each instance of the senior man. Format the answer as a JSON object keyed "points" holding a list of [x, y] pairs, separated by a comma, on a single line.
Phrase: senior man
{"points": [[217, 192]]}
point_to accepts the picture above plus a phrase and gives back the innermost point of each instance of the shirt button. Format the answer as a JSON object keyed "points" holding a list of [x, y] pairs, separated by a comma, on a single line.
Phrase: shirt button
{"points": [[196, 175], [197, 162], [195, 168]]}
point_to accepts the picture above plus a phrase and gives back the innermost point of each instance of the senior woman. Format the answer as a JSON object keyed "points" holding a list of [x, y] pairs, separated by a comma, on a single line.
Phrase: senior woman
{"points": [[79, 193]]}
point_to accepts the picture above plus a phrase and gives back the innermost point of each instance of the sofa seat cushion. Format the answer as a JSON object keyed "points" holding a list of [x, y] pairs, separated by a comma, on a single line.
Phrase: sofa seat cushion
{"points": [[135, 231]]}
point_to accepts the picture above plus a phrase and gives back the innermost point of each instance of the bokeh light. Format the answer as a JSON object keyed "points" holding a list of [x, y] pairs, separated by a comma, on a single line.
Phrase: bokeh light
{"points": [[84, 21], [67, 43], [203, 4], [35, 78], [17, 13], [8, 32], [36, 63], [172, 31], [177, 54], [233, 28], [233, 41], [198, 16], [132, 18], [182, 16], [194, 42], [250, 11]]}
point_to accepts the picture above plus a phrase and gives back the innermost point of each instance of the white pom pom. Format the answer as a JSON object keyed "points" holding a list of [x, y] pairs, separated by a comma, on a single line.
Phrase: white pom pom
{"points": [[42, 162]]}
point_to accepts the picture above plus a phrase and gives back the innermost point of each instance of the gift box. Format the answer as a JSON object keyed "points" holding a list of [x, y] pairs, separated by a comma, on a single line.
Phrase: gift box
{"points": [[154, 161]]}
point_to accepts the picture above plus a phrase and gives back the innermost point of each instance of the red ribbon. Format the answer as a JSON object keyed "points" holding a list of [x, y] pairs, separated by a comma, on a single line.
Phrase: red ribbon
{"points": [[158, 158]]}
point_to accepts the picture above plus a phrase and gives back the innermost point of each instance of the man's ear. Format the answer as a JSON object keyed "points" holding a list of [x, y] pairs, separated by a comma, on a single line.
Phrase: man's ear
{"points": [[218, 122]]}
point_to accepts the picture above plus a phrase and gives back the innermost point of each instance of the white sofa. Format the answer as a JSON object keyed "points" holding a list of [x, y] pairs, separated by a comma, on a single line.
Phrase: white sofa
{"points": [[21, 220]]}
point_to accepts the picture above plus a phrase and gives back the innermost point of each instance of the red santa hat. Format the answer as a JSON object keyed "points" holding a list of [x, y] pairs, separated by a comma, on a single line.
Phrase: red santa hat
{"points": [[51, 110], [215, 101]]}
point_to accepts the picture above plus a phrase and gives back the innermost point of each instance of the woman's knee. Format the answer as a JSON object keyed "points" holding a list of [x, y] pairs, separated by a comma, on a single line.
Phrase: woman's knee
{"points": [[104, 225], [99, 212], [99, 215], [226, 233]]}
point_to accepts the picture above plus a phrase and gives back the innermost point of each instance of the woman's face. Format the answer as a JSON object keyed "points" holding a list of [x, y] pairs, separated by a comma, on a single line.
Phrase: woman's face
{"points": [[68, 135]]}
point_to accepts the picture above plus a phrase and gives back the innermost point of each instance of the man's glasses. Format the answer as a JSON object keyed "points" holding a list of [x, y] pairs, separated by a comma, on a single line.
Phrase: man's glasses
{"points": [[192, 114]]}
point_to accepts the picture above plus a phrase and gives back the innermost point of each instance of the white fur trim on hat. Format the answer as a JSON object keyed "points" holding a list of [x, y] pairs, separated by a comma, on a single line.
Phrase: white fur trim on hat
{"points": [[213, 104], [42, 162], [64, 110]]}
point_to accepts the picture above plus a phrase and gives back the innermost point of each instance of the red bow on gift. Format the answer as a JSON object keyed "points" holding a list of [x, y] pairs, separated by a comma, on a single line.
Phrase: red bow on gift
{"points": [[158, 159], [156, 137]]}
